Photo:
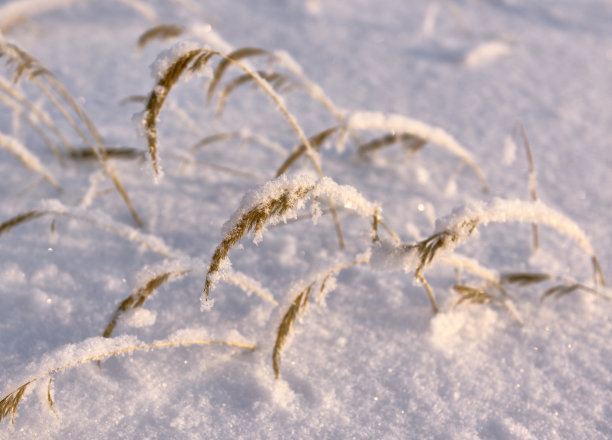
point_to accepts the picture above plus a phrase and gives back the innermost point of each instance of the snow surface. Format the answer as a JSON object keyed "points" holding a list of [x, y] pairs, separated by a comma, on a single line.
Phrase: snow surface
{"points": [[372, 360]]}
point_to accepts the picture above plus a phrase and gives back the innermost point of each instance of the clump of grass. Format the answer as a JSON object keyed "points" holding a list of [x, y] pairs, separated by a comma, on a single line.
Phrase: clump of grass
{"points": [[280, 58], [10, 403], [28, 66], [298, 307], [276, 201], [188, 58], [192, 59], [461, 225]]}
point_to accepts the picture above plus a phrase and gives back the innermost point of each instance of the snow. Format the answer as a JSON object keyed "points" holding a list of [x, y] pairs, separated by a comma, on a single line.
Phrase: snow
{"points": [[368, 359]]}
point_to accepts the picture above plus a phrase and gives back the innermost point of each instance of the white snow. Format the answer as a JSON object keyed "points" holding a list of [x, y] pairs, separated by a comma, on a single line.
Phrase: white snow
{"points": [[373, 361]]}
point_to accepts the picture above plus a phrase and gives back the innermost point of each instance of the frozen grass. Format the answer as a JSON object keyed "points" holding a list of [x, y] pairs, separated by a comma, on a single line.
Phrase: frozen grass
{"points": [[370, 361]]}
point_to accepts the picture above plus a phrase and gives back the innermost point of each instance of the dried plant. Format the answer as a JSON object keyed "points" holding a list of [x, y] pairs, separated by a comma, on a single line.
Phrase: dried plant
{"points": [[459, 226], [561, 290], [474, 295], [237, 55], [298, 307], [315, 141], [27, 65], [280, 58], [10, 403], [275, 201], [244, 135], [410, 141], [27, 158], [137, 299], [398, 124], [524, 278], [561, 287], [172, 271], [533, 183], [111, 152], [193, 60], [55, 208], [276, 80], [160, 32]]}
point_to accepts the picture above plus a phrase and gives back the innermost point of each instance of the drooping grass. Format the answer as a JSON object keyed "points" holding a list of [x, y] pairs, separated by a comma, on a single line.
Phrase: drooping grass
{"points": [[193, 60], [561, 286], [244, 135], [280, 58], [10, 403], [315, 141], [27, 158], [298, 307], [55, 208], [461, 225], [399, 124], [160, 32], [28, 66], [138, 298], [410, 141], [178, 269], [474, 295], [277, 81], [275, 201]]}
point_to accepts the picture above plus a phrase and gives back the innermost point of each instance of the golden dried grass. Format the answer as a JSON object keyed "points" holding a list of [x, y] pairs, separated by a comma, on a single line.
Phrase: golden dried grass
{"points": [[298, 307], [160, 32], [253, 220], [150, 242], [26, 65], [10, 403]]}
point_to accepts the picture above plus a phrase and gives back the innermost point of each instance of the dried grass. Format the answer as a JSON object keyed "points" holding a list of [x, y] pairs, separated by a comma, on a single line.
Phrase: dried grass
{"points": [[411, 142], [254, 220], [160, 32], [150, 242], [10, 403], [561, 287], [460, 226], [315, 141], [27, 158], [533, 183], [276, 80], [138, 298], [474, 295], [298, 307], [27, 65], [396, 124]]}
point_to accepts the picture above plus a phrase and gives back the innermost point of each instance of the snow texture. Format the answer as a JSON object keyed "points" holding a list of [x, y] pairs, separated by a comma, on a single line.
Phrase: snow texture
{"points": [[371, 360]]}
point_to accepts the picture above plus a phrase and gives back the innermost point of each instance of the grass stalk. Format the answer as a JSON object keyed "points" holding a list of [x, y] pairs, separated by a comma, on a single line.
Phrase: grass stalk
{"points": [[10, 403]]}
